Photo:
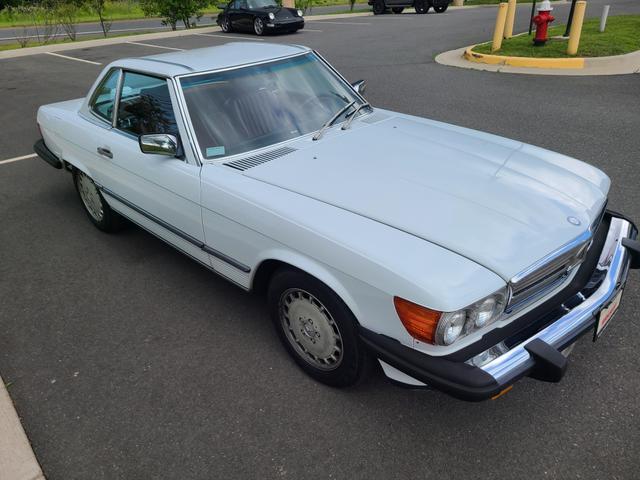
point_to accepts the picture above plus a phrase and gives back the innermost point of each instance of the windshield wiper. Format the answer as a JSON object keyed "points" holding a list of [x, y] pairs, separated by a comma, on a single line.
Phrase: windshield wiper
{"points": [[329, 122], [353, 114]]}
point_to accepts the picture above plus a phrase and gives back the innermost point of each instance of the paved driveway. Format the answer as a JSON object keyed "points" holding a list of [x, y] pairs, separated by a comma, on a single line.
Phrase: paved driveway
{"points": [[127, 360]]}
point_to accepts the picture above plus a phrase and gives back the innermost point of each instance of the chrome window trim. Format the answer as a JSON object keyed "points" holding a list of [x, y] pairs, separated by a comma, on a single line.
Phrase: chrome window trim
{"points": [[116, 105], [186, 121], [95, 93], [183, 104], [170, 84]]}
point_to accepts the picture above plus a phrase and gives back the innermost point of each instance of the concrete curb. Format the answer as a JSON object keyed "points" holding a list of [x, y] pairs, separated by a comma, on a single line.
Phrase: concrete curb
{"points": [[615, 65], [17, 460], [60, 47], [530, 62]]}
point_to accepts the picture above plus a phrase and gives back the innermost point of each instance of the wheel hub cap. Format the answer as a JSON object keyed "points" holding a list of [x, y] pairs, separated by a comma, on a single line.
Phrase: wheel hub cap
{"points": [[90, 197], [310, 329]]}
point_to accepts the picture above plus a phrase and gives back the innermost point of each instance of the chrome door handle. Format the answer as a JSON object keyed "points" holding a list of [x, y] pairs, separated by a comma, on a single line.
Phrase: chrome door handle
{"points": [[105, 152]]}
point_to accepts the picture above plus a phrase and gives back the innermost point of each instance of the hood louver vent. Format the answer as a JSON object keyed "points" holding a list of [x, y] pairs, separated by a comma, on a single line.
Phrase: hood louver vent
{"points": [[255, 160]]}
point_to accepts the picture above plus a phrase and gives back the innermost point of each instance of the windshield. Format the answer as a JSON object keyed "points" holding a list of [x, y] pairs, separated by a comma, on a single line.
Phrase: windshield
{"points": [[243, 109], [261, 3]]}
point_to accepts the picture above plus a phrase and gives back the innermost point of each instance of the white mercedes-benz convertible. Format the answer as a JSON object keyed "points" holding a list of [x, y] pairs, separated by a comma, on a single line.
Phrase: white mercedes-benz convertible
{"points": [[454, 258]]}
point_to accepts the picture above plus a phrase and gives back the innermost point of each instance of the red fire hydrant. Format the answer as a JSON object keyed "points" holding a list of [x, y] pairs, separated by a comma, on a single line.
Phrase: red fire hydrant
{"points": [[542, 21]]}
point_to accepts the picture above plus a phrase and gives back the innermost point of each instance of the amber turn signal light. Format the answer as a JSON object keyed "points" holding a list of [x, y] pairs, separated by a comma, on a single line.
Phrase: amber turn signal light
{"points": [[420, 322]]}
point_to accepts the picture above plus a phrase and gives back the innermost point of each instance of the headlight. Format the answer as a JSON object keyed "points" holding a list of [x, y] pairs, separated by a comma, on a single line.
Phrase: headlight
{"points": [[450, 327], [444, 328], [271, 16], [299, 13], [476, 316]]}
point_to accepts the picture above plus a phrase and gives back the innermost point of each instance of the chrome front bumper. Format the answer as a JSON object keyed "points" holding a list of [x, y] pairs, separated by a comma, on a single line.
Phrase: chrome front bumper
{"points": [[614, 260], [537, 355]]}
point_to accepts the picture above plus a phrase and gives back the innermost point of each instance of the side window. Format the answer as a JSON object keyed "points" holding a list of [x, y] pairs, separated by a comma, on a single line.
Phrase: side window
{"points": [[145, 106], [105, 96]]}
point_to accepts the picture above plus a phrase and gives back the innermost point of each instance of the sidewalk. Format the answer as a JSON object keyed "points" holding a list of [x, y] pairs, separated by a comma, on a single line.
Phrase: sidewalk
{"points": [[17, 461]]}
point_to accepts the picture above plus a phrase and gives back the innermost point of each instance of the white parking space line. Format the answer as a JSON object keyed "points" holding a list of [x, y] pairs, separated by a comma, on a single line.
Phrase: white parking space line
{"points": [[230, 37], [72, 58], [156, 46], [17, 159], [343, 23], [310, 30]]}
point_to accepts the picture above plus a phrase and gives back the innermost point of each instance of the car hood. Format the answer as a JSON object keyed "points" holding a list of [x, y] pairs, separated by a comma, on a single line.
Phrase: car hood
{"points": [[280, 13], [498, 202]]}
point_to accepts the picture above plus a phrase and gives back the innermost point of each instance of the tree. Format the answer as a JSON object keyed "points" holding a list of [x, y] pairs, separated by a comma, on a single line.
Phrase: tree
{"points": [[174, 11], [67, 13], [100, 8]]}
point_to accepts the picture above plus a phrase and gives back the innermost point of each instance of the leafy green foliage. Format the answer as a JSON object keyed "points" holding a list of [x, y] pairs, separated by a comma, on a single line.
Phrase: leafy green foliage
{"points": [[174, 11]]}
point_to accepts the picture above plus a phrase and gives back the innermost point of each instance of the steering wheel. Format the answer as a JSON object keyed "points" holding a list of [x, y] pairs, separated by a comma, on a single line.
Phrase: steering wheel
{"points": [[319, 101]]}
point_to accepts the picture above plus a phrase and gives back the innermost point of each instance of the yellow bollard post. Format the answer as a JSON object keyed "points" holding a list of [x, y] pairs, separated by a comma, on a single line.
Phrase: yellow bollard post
{"points": [[511, 16], [576, 27], [498, 32]]}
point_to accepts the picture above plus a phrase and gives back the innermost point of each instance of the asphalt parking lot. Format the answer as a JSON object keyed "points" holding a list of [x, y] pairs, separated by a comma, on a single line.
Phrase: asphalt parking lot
{"points": [[127, 360]]}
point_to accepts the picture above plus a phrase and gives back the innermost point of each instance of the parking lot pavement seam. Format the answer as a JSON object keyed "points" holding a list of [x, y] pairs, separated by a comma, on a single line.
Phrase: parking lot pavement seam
{"points": [[17, 460]]}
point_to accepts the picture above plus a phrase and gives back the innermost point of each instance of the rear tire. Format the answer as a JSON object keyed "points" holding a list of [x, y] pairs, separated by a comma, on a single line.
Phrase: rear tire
{"points": [[441, 8], [421, 6], [98, 210], [397, 10], [317, 328], [379, 7], [225, 25]]}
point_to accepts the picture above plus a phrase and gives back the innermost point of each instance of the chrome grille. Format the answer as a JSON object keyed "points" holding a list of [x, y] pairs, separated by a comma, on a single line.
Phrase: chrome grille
{"points": [[548, 273]]}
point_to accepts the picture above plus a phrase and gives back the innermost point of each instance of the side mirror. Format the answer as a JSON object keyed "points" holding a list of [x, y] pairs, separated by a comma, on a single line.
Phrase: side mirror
{"points": [[159, 143], [359, 86]]}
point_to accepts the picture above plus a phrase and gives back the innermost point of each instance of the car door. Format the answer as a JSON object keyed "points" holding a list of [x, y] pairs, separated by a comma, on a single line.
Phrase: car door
{"points": [[161, 193], [236, 15]]}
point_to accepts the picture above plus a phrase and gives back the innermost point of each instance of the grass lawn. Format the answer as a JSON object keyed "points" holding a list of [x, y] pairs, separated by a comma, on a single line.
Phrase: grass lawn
{"points": [[622, 35], [15, 46], [130, 10]]}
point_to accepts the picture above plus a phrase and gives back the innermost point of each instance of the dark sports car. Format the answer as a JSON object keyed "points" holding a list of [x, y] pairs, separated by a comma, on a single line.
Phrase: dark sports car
{"points": [[260, 17]]}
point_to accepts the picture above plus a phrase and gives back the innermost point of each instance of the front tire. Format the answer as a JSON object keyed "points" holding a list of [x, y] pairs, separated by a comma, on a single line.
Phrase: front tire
{"points": [[421, 6], [98, 210], [441, 8], [258, 27], [316, 328], [379, 7]]}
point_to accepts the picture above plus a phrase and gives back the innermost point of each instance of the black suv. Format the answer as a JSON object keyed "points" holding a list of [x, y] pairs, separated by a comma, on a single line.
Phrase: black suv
{"points": [[397, 6]]}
